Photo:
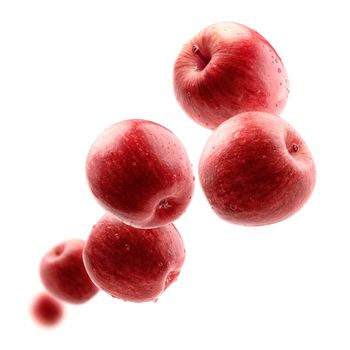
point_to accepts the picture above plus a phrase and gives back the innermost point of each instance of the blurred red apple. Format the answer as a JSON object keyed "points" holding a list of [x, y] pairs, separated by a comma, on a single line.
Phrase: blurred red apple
{"points": [[46, 310], [256, 170], [130, 263], [226, 69], [139, 171], [63, 273]]}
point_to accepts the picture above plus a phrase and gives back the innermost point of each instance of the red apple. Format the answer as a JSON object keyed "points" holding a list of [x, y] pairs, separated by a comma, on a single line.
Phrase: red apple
{"points": [[63, 273], [46, 310], [226, 69], [130, 263], [139, 171], [256, 170]]}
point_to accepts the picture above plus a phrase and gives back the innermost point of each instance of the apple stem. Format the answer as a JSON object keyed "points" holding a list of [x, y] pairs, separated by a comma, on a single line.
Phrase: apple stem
{"points": [[164, 204], [196, 51], [295, 147]]}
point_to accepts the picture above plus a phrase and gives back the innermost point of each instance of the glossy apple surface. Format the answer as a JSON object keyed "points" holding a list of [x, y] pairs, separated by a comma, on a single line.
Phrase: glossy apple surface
{"points": [[63, 273], [46, 310], [139, 171], [226, 69], [256, 170], [130, 263]]}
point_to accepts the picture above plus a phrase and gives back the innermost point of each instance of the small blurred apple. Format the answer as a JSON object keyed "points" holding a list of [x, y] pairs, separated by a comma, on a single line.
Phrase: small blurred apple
{"points": [[46, 310]]}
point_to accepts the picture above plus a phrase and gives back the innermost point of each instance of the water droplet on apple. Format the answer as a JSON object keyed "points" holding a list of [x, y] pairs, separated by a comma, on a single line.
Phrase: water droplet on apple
{"points": [[233, 207], [236, 135], [258, 92], [126, 247]]}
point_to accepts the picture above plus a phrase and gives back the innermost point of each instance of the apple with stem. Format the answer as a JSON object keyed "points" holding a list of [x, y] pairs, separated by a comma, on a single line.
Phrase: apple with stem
{"points": [[226, 69], [256, 170], [130, 263], [139, 171]]}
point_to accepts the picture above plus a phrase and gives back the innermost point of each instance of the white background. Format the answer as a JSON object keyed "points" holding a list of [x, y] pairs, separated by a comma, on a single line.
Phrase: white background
{"points": [[69, 69]]}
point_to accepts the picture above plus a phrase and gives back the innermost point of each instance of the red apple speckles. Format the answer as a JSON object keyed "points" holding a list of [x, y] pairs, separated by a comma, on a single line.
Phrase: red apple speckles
{"points": [[256, 170], [139, 171], [227, 69], [46, 310], [130, 263], [63, 273]]}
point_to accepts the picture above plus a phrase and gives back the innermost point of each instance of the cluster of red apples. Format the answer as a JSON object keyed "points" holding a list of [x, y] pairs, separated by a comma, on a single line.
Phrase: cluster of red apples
{"points": [[255, 170]]}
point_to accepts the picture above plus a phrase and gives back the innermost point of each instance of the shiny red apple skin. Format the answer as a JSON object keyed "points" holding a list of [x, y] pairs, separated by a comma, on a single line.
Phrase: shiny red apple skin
{"points": [[139, 171], [63, 273], [46, 310], [227, 69], [256, 170], [133, 264]]}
